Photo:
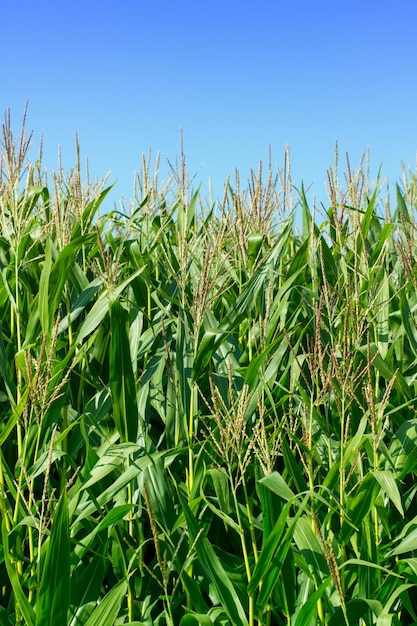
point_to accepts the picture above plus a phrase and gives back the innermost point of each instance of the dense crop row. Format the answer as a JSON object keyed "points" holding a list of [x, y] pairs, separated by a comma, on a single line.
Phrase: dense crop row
{"points": [[206, 416]]}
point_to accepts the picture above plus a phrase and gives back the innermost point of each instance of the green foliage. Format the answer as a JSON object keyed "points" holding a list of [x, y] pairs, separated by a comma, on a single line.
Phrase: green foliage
{"points": [[206, 417]]}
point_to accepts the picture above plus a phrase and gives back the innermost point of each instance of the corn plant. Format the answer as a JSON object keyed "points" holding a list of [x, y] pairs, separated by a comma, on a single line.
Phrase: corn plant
{"points": [[207, 410]]}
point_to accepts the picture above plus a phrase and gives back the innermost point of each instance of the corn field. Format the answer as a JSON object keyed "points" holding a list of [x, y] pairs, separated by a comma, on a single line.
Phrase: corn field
{"points": [[207, 413]]}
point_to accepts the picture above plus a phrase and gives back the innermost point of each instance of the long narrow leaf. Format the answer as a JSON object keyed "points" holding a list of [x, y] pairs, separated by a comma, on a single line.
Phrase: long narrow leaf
{"points": [[107, 611], [44, 289], [214, 569], [122, 380], [54, 591], [21, 599]]}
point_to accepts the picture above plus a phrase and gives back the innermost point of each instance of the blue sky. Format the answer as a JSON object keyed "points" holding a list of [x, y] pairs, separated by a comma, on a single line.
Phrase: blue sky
{"points": [[236, 77]]}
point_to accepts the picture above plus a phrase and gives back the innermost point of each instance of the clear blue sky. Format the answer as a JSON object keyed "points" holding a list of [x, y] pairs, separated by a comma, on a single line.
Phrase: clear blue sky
{"points": [[235, 76]]}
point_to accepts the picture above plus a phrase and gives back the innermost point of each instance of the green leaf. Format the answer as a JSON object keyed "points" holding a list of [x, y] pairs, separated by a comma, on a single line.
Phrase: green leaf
{"points": [[408, 544], [271, 544], [406, 317], [44, 289], [221, 487], [396, 594], [227, 519], [122, 380], [210, 562], [355, 610], [390, 488], [101, 307], [22, 601], [359, 505], [274, 552], [110, 459], [194, 590], [54, 591], [404, 444], [86, 590], [385, 370], [63, 265], [293, 467], [113, 491], [310, 549], [402, 211], [362, 564], [255, 241], [4, 618], [194, 619], [6, 372], [45, 461], [107, 611], [309, 609], [306, 213], [277, 484], [80, 303]]}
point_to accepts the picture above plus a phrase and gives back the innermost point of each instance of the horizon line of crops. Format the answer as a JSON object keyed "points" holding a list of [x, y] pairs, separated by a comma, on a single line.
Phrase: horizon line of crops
{"points": [[207, 415]]}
